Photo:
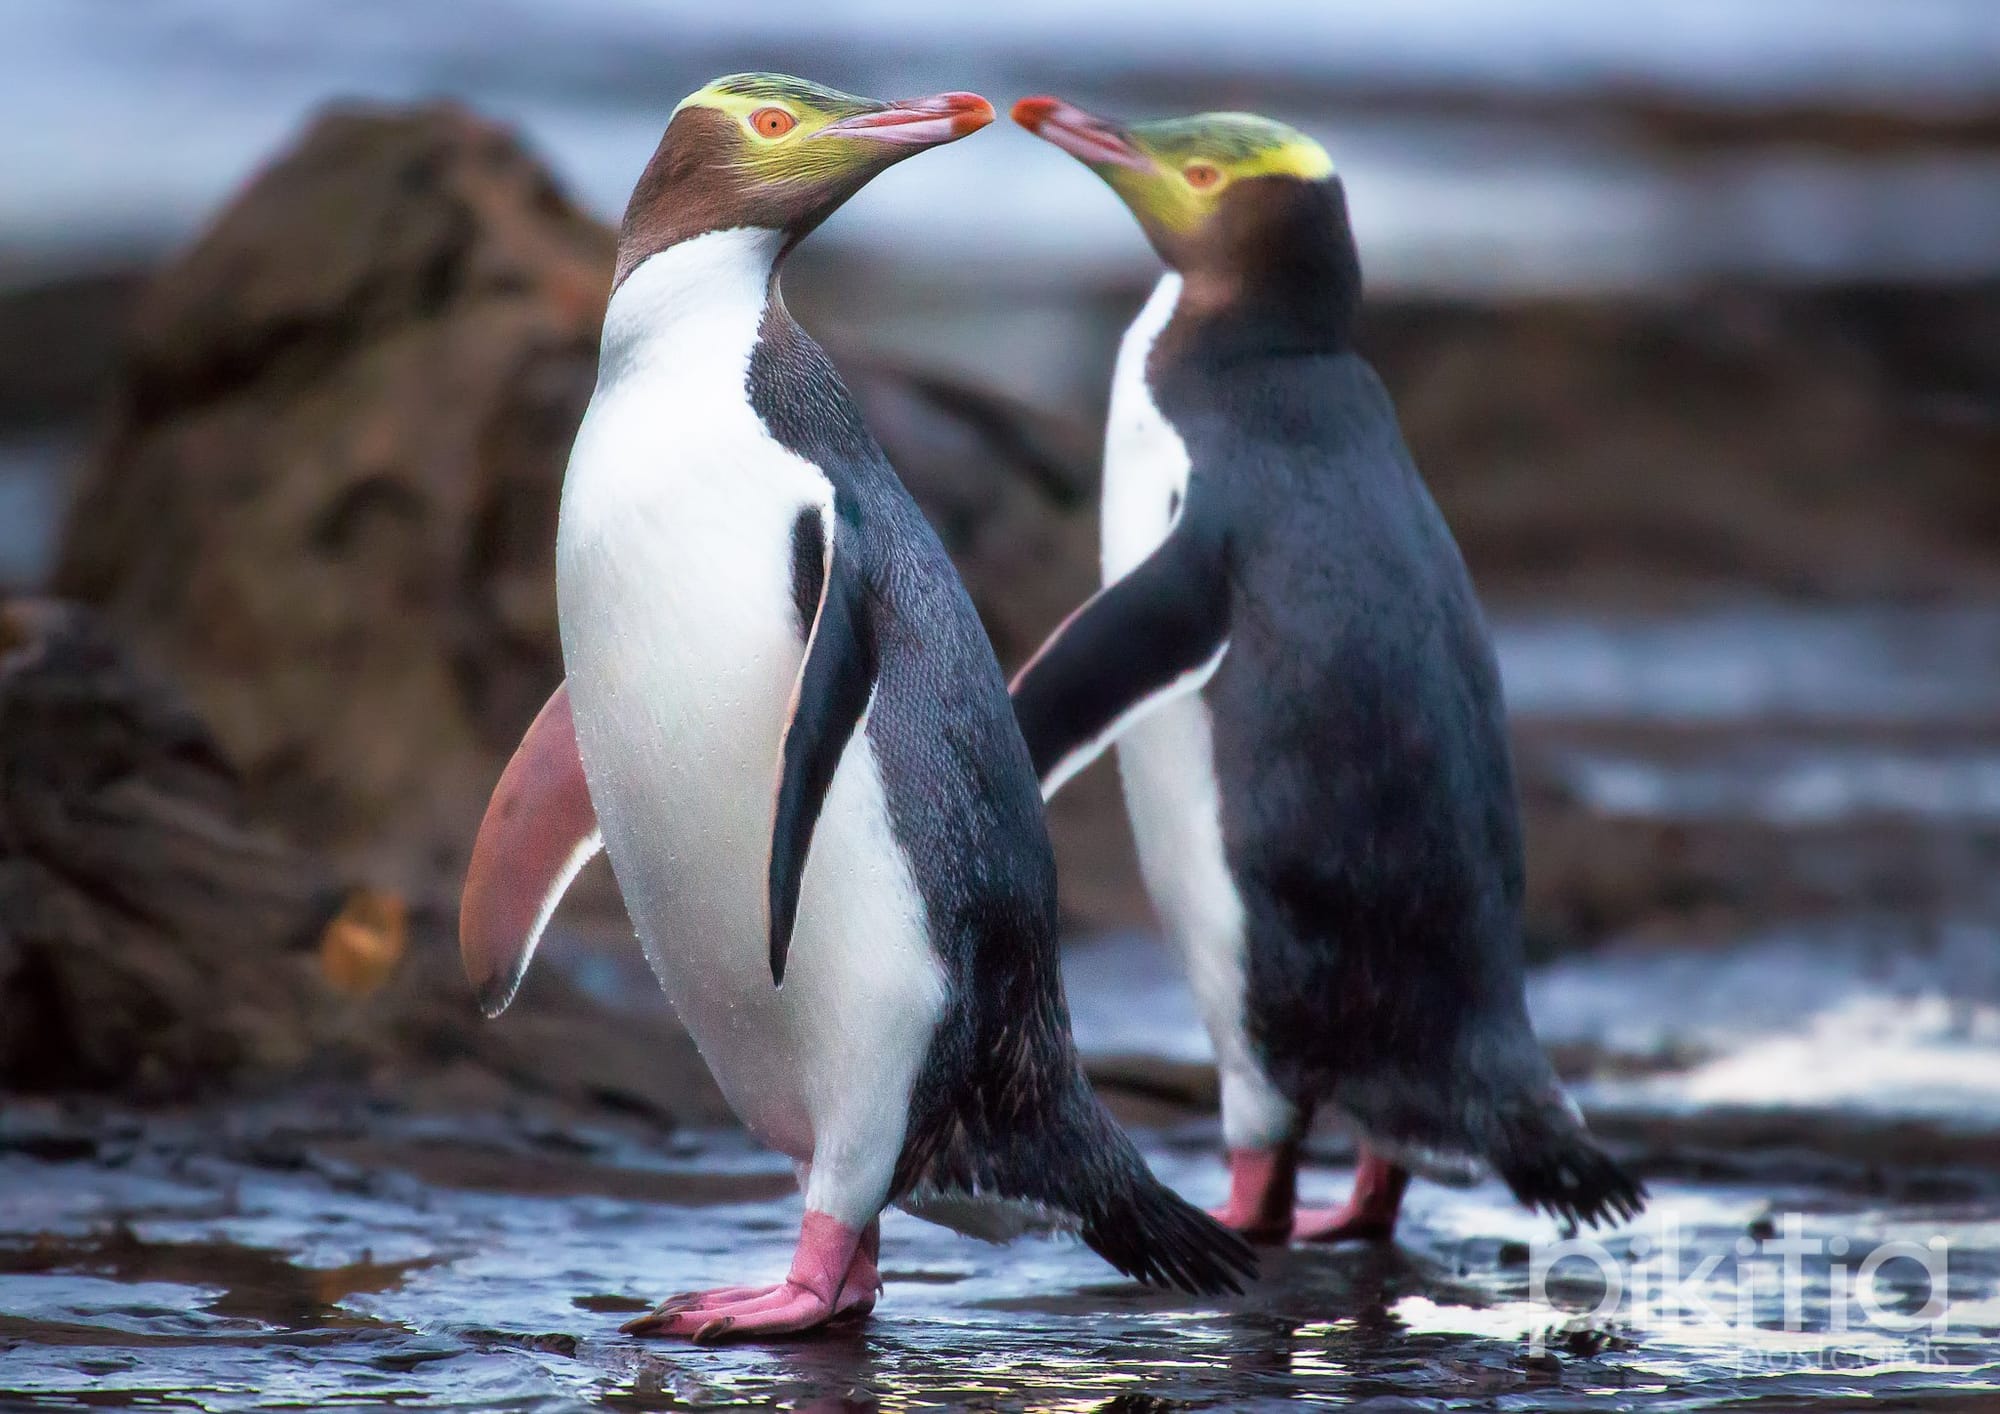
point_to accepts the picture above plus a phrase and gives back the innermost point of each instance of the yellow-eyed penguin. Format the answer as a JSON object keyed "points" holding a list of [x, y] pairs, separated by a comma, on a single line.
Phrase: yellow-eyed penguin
{"points": [[1292, 660], [783, 721]]}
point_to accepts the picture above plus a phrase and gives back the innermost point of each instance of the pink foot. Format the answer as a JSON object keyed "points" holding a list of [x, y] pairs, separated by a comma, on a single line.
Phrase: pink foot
{"points": [[1368, 1215], [1262, 1186], [834, 1274]]}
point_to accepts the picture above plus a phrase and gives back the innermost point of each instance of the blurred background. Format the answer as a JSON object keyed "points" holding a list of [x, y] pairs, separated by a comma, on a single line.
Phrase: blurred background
{"points": [[1691, 309]]}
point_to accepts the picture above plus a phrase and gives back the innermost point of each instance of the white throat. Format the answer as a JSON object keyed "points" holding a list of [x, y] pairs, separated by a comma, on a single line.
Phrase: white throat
{"points": [[672, 402], [1145, 461], [707, 292]]}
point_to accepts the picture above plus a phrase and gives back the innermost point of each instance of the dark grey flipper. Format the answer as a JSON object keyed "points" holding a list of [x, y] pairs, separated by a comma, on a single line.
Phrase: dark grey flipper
{"points": [[832, 692], [1145, 639]]}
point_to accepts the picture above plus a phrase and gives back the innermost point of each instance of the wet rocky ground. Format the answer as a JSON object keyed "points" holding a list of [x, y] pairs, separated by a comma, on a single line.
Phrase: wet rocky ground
{"points": [[284, 1257]]}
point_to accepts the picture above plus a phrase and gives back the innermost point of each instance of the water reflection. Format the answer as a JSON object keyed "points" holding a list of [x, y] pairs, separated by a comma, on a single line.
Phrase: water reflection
{"points": [[1794, 783], [190, 1273], [31, 499]]}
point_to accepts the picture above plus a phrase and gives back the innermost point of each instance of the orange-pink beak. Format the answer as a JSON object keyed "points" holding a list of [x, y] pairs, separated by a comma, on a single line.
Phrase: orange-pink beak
{"points": [[1084, 136], [917, 122]]}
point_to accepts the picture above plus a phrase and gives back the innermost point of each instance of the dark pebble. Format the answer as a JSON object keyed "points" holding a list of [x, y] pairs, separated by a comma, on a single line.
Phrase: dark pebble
{"points": [[1545, 1366]]}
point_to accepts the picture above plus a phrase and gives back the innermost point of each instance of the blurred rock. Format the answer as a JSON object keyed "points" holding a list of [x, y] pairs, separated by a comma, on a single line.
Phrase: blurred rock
{"points": [[1710, 882], [324, 496], [150, 938], [1833, 443], [156, 944], [58, 340]]}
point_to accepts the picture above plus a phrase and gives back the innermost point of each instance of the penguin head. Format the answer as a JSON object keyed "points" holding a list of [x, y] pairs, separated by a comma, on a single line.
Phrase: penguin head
{"points": [[772, 151], [1218, 194]]}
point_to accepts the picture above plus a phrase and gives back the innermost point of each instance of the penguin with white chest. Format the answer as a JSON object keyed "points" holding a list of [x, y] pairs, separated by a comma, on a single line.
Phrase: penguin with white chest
{"points": [[1293, 663], [785, 725]]}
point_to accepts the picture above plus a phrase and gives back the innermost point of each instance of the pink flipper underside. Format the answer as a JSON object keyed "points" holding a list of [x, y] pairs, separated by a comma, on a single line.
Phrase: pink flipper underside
{"points": [[540, 828], [834, 1273]]}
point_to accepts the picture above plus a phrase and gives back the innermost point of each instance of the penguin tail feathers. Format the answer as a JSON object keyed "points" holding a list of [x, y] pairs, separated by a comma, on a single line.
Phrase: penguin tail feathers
{"points": [[1497, 1107], [1550, 1162], [1147, 1231], [1047, 1156]]}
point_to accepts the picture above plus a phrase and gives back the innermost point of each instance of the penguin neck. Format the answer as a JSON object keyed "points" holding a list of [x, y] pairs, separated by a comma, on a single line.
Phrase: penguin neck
{"points": [[705, 297], [1277, 275]]}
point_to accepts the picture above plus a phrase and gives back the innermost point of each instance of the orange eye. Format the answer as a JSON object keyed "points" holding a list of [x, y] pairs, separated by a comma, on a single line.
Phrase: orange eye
{"points": [[1201, 175], [773, 122]]}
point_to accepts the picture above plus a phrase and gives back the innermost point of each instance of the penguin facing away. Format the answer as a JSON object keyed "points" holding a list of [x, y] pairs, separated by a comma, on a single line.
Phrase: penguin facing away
{"points": [[782, 720], [1291, 658]]}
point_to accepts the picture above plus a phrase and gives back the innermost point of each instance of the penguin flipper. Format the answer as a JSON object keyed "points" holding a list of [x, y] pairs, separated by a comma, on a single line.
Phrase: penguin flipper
{"points": [[539, 830], [832, 691], [1141, 641]]}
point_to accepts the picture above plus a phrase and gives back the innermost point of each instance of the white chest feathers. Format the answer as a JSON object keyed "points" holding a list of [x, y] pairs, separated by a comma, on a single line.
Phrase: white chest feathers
{"points": [[1167, 760], [682, 646], [670, 429], [1145, 461]]}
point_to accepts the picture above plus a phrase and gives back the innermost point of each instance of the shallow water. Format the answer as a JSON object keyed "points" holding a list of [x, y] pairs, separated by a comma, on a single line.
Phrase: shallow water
{"points": [[319, 1253], [1845, 1020], [238, 1263], [1773, 665]]}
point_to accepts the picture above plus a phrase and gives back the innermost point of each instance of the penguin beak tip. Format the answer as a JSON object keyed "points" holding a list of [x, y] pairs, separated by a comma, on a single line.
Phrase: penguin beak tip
{"points": [[1032, 112]]}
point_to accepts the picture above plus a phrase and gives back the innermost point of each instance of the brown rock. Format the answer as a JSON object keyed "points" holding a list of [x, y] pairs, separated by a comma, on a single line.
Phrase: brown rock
{"points": [[150, 938], [1818, 443], [1675, 882], [327, 494], [56, 337], [155, 944]]}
